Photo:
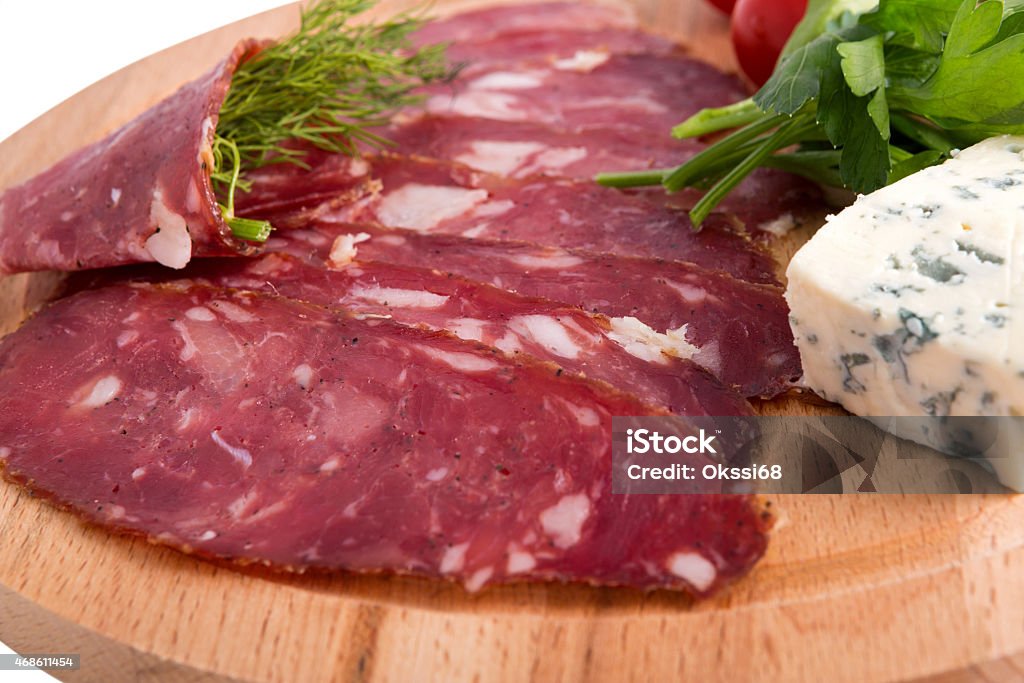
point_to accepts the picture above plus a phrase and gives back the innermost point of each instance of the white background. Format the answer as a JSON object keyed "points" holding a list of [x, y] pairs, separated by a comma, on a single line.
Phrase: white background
{"points": [[51, 50]]}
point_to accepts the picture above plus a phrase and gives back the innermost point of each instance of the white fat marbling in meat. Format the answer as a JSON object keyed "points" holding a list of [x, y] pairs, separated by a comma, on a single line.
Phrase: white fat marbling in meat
{"points": [[467, 328], [483, 103], [582, 60], [170, 245], [501, 158], [551, 160], [464, 362], [421, 207], [644, 343], [477, 580], [303, 376], [508, 80], [564, 521], [344, 249], [242, 455], [200, 313], [454, 558], [546, 261], [404, 298], [519, 562], [548, 332], [105, 390], [127, 338], [693, 568]]}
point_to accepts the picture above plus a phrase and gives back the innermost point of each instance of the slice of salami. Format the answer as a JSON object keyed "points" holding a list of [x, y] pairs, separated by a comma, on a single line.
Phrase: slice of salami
{"points": [[449, 199], [568, 48], [190, 415], [289, 195], [646, 92], [488, 23], [638, 223], [522, 149], [740, 330], [141, 194], [618, 352]]}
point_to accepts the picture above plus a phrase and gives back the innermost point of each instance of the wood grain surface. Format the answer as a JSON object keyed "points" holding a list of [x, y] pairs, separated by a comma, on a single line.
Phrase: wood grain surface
{"points": [[854, 588]]}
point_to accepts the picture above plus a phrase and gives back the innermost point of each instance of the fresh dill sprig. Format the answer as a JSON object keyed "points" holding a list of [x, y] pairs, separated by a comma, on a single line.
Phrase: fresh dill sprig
{"points": [[326, 86]]}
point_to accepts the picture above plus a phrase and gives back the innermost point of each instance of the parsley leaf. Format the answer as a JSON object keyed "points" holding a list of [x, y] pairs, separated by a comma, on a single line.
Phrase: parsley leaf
{"points": [[843, 113], [919, 24], [863, 64], [1013, 20], [797, 79], [978, 85], [892, 89]]}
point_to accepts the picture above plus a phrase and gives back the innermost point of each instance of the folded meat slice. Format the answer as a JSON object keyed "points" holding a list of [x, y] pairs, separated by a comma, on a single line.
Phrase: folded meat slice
{"points": [[646, 92], [141, 194], [645, 365], [438, 197], [192, 416], [740, 330]]}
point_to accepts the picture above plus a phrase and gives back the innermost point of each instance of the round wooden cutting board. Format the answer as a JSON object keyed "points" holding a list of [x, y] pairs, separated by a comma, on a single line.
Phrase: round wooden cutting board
{"points": [[853, 588]]}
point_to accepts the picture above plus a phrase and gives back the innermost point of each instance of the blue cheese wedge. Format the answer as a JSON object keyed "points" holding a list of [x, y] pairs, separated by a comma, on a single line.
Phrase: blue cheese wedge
{"points": [[911, 301]]}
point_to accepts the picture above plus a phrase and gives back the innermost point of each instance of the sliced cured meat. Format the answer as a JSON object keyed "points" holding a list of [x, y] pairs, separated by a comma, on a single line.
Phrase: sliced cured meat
{"points": [[520, 149], [567, 35], [292, 195], [639, 223], [741, 330], [650, 93], [569, 49], [498, 20], [190, 415], [141, 194], [768, 202], [449, 199], [622, 352]]}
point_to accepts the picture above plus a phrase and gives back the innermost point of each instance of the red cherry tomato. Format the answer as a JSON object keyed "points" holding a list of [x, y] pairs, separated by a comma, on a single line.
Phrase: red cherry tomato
{"points": [[760, 28], [724, 5]]}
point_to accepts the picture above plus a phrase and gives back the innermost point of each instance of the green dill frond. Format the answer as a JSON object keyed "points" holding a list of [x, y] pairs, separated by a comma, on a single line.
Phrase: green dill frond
{"points": [[327, 86]]}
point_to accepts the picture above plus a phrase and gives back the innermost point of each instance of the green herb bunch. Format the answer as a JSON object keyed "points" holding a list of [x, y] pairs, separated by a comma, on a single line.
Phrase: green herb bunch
{"points": [[327, 86], [860, 99]]}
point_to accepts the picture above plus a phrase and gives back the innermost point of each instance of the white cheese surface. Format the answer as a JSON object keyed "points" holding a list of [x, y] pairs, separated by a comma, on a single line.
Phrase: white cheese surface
{"points": [[911, 301]]}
